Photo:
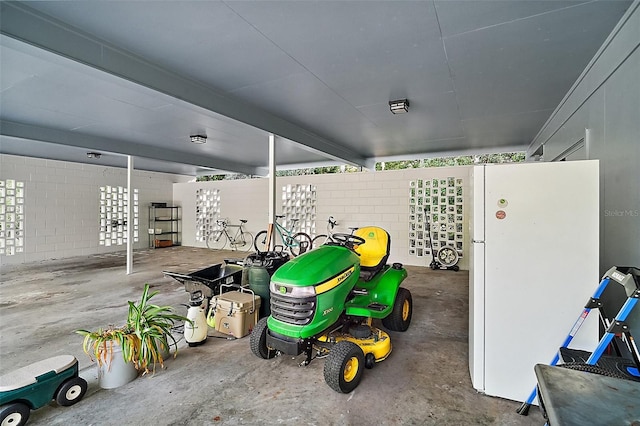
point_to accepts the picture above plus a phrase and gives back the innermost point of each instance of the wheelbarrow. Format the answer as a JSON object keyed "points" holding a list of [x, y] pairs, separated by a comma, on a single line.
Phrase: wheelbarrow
{"points": [[209, 280]]}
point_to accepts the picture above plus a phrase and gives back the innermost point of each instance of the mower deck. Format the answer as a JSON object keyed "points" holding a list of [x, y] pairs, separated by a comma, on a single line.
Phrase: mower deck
{"points": [[377, 343]]}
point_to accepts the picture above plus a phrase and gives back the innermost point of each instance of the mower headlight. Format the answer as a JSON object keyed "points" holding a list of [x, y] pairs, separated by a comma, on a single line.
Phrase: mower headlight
{"points": [[293, 291]]}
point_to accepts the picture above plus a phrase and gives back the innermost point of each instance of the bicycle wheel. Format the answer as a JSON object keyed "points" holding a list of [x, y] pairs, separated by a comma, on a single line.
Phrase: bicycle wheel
{"points": [[320, 240], [301, 243], [217, 240], [245, 241], [260, 242]]}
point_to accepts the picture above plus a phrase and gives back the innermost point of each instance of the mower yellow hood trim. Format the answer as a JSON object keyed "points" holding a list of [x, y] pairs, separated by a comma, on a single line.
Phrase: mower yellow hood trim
{"points": [[335, 281]]}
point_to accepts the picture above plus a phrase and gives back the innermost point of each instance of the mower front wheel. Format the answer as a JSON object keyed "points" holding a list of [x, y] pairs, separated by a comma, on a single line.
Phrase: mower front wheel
{"points": [[258, 340], [400, 317], [343, 367]]}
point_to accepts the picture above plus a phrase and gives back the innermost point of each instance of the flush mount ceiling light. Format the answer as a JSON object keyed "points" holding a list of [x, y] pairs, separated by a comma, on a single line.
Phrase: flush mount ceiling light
{"points": [[399, 107], [93, 154], [198, 138]]}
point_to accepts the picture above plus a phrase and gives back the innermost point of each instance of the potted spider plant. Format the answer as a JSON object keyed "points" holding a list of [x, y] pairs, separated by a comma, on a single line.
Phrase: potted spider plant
{"points": [[113, 350], [151, 324], [142, 342]]}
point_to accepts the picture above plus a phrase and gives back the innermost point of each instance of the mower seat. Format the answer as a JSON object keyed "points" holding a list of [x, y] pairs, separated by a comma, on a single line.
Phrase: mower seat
{"points": [[374, 252]]}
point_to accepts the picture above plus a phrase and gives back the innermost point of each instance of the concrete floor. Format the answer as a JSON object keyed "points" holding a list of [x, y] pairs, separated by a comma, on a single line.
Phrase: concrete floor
{"points": [[425, 381]]}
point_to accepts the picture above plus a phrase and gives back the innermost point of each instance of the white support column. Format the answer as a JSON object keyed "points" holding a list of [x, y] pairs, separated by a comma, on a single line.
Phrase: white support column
{"points": [[272, 189], [587, 144], [129, 215]]}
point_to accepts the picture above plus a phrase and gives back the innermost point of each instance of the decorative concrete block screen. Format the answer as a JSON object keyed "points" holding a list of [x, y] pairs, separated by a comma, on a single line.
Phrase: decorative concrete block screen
{"points": [[299, 202], [442, 201], [11, 217], [207, 212], [113, 215]]}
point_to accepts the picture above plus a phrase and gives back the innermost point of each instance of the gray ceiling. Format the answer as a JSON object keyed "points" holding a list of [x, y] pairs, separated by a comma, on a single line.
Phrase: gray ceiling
{"points": [[138, 77]]}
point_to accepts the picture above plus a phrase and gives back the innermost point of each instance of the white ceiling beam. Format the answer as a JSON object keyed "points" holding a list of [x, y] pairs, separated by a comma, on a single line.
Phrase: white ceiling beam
{"points": [[98, 143]]}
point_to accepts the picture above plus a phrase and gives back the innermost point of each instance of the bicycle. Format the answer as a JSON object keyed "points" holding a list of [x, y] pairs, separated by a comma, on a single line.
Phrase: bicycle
{"points": [[219, 238], [322, 239], [297, 243], [328, 237]]}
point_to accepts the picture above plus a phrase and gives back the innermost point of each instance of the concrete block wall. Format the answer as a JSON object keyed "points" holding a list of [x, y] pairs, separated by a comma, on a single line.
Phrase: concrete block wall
{"points": [[353, 199], [61, 206], [240, 199]]}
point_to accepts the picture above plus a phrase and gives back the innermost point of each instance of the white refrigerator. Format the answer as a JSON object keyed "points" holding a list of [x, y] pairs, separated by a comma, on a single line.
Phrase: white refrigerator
{"points": [[533, 267]]}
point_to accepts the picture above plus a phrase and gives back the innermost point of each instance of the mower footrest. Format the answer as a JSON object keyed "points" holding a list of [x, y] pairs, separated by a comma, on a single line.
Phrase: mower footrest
{"points": [[377, 307]]}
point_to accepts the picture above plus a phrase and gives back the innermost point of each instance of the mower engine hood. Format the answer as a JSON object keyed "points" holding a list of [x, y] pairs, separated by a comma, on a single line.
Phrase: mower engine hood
{"points": [[308, 293], [317, 267]]}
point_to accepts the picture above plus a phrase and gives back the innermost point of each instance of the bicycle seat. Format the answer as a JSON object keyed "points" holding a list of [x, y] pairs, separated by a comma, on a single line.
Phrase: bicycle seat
{"points": [[279, 216], [375, 252], [243, 220]]}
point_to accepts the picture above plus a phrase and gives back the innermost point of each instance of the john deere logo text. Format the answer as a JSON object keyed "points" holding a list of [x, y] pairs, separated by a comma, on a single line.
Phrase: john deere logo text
{"points": [[335, 281], [344, 276], [326, 311]]}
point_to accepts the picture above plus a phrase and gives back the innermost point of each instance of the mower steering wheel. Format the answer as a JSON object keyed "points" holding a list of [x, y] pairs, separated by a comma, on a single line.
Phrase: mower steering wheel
{"points": [[348, 240]]}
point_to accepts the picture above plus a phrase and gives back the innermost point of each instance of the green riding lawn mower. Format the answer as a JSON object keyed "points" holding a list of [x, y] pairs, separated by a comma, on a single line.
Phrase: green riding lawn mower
{"points": [[323, 304]]}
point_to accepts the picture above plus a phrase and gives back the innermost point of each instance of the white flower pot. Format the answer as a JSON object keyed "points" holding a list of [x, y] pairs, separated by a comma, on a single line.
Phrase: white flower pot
{"points": [[117, 372]]}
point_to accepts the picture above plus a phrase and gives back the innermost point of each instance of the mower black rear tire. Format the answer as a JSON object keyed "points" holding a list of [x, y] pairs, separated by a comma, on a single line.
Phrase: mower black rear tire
{"points": [[400, 317], [258, 340], [343, 367]]}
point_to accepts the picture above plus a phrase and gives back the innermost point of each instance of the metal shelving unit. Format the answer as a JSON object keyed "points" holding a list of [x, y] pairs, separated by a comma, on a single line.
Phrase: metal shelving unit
{"points": [[164, 226]]}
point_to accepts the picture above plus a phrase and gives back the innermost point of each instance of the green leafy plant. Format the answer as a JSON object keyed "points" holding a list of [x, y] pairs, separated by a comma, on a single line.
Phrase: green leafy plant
{"points": [[151, 324], [143, 339]]}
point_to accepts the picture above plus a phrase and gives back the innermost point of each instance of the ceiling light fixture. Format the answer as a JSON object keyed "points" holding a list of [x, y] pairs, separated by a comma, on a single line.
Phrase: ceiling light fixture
{"points": [[92, 154], [399, 107], [199, 138]]}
